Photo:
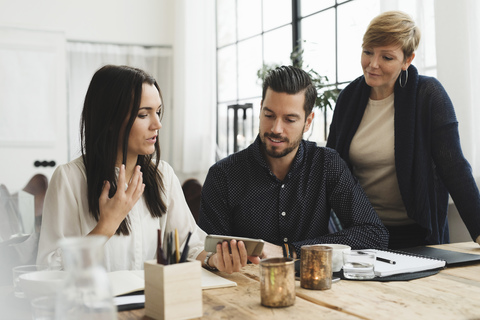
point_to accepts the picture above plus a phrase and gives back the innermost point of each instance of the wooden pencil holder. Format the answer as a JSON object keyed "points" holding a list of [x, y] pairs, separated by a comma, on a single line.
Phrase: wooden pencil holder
{"points": [[173, 291]]}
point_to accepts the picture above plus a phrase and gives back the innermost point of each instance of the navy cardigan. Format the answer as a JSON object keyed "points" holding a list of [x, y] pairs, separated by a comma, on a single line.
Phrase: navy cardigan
{"points": [[428, 156]]}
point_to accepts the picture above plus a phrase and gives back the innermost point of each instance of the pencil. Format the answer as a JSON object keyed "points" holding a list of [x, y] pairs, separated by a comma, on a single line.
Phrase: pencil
{"points": [[177, 247]]}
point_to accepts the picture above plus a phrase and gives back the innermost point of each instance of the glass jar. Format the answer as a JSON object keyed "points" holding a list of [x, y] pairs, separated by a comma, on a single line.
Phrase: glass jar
{"points": [[87, 293]]}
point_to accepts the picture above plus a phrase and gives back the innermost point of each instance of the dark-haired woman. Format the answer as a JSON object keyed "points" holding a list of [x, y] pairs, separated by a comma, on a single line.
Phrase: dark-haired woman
{"points": [[119, 187]]}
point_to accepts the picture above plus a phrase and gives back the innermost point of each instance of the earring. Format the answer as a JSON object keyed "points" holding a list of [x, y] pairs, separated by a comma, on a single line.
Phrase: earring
{"points": [[400, 79]]}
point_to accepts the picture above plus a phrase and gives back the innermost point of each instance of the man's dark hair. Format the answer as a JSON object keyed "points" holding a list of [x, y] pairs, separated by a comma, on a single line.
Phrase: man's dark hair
{"points": [[291, 80]]}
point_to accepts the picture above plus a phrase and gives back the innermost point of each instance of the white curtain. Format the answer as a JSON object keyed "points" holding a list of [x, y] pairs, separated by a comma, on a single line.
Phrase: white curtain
{"points": [[83, 59]]}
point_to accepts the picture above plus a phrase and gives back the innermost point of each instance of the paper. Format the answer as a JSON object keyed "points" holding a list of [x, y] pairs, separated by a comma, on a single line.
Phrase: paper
{"points": [[133, 299], [404, 263], [211, 280], [128, 281]]}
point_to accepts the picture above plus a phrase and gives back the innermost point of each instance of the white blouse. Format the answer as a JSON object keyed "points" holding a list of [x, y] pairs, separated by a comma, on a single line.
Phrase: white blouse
{"points": [[66, 214]]}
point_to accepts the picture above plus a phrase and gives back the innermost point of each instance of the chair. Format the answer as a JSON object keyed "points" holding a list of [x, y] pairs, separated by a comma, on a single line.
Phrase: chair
{"points": [[37, 186], [9, 215], [192, 190], [17, 245]]}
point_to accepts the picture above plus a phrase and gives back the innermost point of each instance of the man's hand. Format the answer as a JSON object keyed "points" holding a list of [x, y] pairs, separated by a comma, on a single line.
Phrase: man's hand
{"points": [[271, 251], [232, 259]]}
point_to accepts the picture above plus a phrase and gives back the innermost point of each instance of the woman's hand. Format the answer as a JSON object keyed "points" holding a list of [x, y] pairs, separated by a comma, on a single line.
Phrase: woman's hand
{"points": [[114, 210], [233, 261]]}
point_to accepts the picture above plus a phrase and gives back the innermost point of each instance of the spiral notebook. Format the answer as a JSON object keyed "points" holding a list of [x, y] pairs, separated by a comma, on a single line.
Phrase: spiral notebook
{"points": [[404, 263]]}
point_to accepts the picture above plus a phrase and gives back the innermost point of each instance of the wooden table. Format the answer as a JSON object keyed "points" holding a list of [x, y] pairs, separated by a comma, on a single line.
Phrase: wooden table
{"points": [[454, 293]]}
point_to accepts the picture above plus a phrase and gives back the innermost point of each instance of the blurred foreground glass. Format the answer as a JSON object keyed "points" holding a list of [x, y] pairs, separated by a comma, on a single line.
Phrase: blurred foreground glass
{"points": [[17, 271], [316, 267], [359, 264], [277, 282], [43, 308], [87, 293]]}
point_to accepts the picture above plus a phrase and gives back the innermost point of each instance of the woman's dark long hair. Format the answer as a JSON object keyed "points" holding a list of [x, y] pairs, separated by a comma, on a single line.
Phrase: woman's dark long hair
{"points": [[113, 97]]}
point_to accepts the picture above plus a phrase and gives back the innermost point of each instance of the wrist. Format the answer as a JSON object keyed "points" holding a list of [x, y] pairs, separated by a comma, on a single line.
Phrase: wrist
{"points": [[289, 251], [206, 263], [103, 229]]}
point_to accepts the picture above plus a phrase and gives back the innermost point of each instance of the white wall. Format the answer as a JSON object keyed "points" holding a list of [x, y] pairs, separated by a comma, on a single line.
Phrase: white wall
{"points": [[186, 25], [148, 22]]}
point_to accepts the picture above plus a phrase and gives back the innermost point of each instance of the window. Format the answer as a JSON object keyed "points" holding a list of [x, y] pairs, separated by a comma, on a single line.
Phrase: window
{"points": [[251, 33]]}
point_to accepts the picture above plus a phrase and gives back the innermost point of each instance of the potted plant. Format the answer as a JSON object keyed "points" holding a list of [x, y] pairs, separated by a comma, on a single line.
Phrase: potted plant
{"points": [[326, 97]]}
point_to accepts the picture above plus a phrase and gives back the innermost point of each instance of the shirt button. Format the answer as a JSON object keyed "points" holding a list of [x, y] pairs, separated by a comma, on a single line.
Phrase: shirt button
{"points": [[283, 186], [285, 239], [284, 213]]}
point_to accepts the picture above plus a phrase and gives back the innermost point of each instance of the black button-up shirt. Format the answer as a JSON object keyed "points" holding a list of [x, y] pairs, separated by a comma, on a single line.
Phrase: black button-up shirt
{"points": [[242, 197]]}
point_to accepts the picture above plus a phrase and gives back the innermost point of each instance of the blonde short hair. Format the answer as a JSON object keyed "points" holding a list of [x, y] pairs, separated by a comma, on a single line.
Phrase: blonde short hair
{"points": [[393, 28]]}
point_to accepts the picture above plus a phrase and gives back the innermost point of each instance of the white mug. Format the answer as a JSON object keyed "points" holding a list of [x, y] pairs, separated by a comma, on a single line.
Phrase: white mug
{"points": [[337, 255]]}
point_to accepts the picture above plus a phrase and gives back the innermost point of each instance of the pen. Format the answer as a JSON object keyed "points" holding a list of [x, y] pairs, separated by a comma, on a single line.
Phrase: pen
{"points": [[386, 260], [177, 247], [160, 255], [159, 245], [169, 248], [381, 259], [184, 255]]}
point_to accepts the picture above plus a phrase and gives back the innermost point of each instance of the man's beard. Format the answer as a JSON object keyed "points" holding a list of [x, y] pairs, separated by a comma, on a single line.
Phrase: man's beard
{"points": [[272, 152]]}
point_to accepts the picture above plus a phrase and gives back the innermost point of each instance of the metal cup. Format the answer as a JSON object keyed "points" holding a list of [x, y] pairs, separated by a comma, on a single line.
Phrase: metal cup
{"points": [[277, 282], [316, 267]]}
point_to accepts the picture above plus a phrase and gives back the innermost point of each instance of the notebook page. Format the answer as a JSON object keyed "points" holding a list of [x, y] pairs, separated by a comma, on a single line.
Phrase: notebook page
{"points": [[404, 263]]}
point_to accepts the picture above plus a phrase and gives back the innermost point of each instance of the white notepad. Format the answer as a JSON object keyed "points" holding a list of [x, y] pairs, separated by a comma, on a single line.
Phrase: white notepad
{"points": [[128, 281], [404, 263]]}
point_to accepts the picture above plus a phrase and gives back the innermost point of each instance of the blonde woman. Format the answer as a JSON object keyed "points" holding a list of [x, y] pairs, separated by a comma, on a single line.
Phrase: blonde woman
{"points": [[398, 132]]}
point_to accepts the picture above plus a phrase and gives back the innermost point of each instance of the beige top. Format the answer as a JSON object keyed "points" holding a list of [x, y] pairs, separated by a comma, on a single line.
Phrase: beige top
{"points": [[372, 153]]}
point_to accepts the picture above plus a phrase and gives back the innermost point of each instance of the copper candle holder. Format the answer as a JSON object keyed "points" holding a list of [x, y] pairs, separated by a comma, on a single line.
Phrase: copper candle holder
{"points": [[316, 267], [277, 282]]}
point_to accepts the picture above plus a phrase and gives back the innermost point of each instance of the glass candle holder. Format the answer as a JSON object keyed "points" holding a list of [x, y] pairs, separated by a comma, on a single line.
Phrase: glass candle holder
{"points": [[277, 282], [316, 267]]}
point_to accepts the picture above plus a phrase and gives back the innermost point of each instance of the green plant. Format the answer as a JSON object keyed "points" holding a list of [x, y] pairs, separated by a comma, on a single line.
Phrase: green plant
{"points": [[325, 97]]}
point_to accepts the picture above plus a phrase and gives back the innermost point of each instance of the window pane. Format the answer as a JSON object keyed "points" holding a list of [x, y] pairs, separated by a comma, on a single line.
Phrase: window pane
{"points": [[318, 31], [226, 22], [248, 127], [245, 127], [428, 39], [353, 19], [311, 6], [250, 136], [249, 18], [278, 46], [227, 73], [249, 61], [222, 131], [276, 13]]}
